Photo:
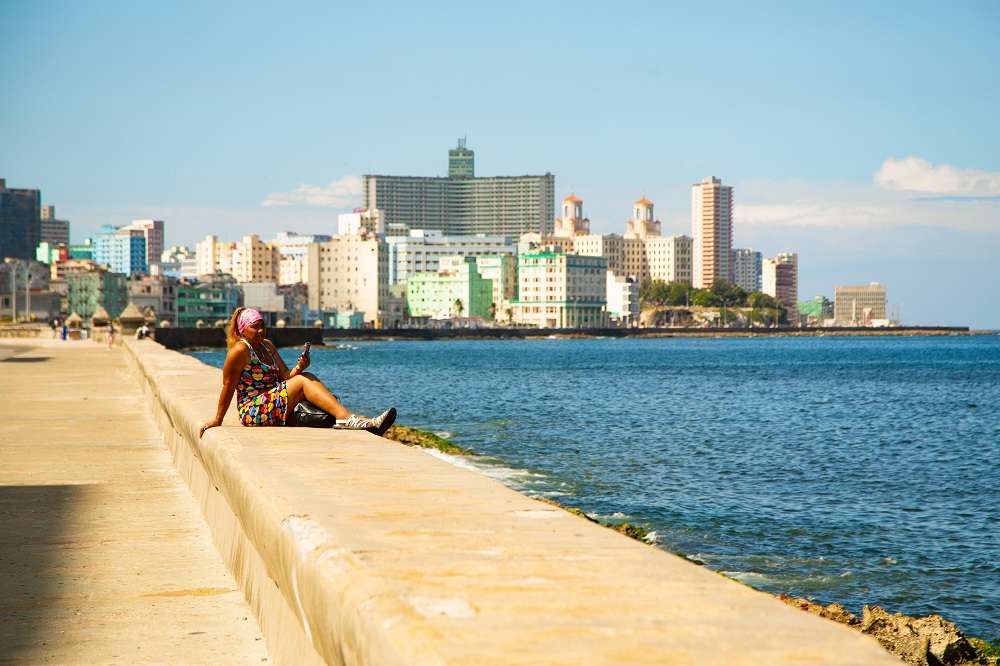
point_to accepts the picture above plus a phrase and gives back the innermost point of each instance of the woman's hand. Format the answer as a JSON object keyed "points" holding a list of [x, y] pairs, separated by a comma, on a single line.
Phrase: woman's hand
{"points": [[303, 361], [209, 424]]}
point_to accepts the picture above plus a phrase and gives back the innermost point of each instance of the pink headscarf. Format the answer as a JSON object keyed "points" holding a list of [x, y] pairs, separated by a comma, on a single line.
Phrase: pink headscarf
{"points": [[247, 318]]}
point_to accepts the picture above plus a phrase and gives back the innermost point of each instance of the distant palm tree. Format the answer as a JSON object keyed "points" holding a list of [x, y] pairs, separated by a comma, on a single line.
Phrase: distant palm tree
{"points": [[493, 310], [459, 306], [510, 315]]}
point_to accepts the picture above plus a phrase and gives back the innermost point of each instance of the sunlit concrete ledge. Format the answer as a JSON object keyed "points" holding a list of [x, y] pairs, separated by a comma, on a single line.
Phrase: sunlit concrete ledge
{"points": [[352, 549]]}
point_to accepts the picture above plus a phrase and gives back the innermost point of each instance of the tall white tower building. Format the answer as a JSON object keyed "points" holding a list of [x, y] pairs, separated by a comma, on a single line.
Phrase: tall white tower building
{"points": [[712, 229]]}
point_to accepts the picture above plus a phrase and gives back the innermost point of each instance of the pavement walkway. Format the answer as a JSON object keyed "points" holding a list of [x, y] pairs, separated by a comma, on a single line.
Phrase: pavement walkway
{"points": [[104, 555]]}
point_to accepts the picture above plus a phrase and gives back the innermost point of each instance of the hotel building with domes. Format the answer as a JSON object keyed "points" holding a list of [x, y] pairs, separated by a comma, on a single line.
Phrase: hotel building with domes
{"points": [[641, 253]]}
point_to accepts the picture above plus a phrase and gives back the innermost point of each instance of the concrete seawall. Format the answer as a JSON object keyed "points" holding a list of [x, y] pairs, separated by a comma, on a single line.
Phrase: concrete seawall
{"points": [[352, 549], [186, 338]]}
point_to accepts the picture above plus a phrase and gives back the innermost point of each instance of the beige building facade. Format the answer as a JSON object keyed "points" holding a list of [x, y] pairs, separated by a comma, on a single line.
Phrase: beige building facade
{"points": [[349, 273], [860, 305], [249, 260], [780, 279], [712, 231], [560, 290]]}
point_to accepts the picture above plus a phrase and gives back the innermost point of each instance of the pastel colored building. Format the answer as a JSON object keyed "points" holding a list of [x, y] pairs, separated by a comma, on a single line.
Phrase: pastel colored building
{"points": [[712, 230], [560, 290], [780, 279], [121, 250], [456, 289], [209, 299], [747, 269], [98, 288], [623, 299], [422, 249], [350, 273]]}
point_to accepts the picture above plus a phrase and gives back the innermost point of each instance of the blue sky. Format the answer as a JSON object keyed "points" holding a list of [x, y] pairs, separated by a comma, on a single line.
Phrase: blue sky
{"points": [[862, 135]]}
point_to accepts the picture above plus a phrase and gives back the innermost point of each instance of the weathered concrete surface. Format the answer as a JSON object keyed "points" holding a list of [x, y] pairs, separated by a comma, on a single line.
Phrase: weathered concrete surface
{"points": [[356, 550], [104, 557]]}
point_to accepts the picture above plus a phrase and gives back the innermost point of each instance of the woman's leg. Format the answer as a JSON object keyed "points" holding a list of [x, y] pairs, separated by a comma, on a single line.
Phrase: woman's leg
{"points": [[307, 387]]}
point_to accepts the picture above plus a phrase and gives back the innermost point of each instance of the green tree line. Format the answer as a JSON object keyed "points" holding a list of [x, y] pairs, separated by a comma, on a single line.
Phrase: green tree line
{"points": [[654, 293]]}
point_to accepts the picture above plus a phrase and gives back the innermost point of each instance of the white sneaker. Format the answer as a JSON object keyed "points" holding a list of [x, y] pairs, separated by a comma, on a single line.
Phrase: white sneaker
{"points": [[377, 425]]}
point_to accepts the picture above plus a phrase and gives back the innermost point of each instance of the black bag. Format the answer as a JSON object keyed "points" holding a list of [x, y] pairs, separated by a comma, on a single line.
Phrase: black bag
{"points": [[308, 415]]}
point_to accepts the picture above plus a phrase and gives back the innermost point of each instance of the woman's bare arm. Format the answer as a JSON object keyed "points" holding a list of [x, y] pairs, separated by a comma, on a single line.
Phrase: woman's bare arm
{"points": [[236, 360], [283, 370]]}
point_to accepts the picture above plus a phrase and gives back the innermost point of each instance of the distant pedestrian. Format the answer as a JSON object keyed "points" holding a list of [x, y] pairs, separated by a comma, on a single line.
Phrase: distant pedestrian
{"points": [[65, 331], [111, 334]]}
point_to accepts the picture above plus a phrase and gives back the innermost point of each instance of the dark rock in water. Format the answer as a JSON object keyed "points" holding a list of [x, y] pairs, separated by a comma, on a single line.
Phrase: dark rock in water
{"points": [[925, 641]]}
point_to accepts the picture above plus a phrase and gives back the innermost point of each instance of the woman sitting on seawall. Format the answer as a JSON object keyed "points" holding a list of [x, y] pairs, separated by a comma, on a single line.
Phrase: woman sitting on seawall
{"points": [[267, 391]]}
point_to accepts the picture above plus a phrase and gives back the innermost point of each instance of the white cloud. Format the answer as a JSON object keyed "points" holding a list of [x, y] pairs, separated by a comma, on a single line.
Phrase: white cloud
{"points": [[913, 174], [798, 204], [342, 193]]}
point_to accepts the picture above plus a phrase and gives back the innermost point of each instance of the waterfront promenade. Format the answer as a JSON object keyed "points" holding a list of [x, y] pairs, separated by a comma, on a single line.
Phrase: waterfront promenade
{"points": [[104, 556]]}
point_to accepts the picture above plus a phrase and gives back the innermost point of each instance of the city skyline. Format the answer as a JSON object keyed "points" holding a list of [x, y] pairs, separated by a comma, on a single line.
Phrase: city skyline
{"points": [[845, 138]]}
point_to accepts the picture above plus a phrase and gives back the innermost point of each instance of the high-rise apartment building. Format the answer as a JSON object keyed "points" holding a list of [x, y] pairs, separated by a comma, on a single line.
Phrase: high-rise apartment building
{"points": [[255, 261], [122, 250], [860, 305], [53, 231], [461, 161], [249, 260], [350, 273], [780, 279], [293, 251], [463, 204], [20, 221], [213, 256], [560, 290], [712, 229], [152, 234], [422, 250], [747, 267]]}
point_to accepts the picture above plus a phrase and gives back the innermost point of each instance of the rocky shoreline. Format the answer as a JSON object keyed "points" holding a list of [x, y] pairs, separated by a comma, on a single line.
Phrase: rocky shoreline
{"points": [[919, 641]]}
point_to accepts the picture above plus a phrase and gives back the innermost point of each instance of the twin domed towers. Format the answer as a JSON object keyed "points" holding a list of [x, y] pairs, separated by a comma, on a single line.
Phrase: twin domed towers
{"points": [[573, 223]]}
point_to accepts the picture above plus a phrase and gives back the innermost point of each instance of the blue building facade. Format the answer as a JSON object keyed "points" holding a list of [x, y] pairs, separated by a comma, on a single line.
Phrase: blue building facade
{"points": [[121, 251]]}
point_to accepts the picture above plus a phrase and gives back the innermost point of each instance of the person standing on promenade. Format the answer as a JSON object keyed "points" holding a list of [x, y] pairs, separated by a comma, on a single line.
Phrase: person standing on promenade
{"points": [[111, 334], [267, 391]]}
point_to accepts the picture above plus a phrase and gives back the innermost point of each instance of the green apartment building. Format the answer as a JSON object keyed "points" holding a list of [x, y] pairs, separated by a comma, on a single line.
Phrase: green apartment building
{"points": [[434, 295], [85, 292], [209, 299]]}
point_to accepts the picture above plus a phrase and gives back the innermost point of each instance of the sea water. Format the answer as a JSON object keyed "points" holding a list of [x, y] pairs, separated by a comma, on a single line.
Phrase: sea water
{"points": [[849, 469]]}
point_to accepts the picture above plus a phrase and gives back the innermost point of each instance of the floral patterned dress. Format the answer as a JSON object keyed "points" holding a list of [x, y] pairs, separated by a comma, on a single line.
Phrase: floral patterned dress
{"points": [[261, 395]]}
